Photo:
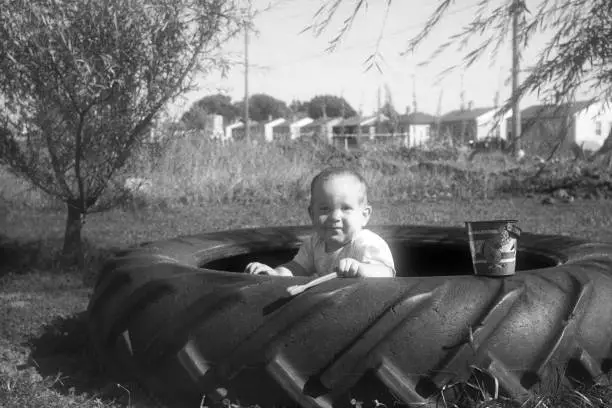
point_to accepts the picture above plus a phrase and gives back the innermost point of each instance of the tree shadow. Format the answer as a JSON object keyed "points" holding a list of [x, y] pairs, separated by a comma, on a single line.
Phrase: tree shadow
{"points": [[63, 352], [23, 256]]}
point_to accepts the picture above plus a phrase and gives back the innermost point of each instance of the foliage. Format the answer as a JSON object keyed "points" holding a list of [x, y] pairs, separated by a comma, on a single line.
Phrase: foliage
{"points": [[82, 82], [389, 111], [196, 118], [297, 106], [219, 104], [577, 57], [333, 106], [262, 107]]}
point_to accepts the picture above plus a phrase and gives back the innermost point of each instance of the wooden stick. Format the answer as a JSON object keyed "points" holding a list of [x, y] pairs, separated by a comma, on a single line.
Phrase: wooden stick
{"points": [[296, 289]]}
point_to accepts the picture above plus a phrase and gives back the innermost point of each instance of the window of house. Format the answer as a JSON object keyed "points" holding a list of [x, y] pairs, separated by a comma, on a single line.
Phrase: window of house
{"points": [[598, 128]]}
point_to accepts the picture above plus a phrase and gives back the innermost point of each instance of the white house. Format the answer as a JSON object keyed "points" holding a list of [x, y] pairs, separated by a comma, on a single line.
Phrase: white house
{"points": [[269, 128], [474, 124], [296, 125], [592, 125], [368, 126], [289, 129], [321, 126], [543, 127], [416, 128], [214, 125], [229, 129]]}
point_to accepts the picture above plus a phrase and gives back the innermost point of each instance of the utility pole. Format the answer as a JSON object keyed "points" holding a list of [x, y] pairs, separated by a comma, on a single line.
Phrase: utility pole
{"points": [[414, 98], [516, 113], [247, 130], [462, 95], [378, 109]]}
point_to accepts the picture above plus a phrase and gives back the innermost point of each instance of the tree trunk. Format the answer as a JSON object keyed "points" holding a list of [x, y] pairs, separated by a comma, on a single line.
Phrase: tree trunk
{"points": [[72, 253]]}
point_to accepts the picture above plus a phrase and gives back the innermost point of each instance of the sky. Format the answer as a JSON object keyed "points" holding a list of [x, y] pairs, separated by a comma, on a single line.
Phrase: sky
{"points": [[288, 64]]}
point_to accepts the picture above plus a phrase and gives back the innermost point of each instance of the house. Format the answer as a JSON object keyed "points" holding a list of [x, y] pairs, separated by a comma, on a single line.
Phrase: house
{"points": [[237, 131], [322, 127], [473, 125], [416, 128], [289, 129], [361, 126], [545, 128], [269, 128], [229, 130], [214, 127]]}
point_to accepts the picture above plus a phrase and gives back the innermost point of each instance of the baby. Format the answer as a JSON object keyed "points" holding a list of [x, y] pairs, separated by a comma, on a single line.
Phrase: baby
{"points": [[339, 212]]}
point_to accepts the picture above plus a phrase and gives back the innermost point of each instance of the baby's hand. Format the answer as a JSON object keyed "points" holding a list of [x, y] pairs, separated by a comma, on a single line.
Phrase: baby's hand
{"points": [[348, 268], [257, 268]]}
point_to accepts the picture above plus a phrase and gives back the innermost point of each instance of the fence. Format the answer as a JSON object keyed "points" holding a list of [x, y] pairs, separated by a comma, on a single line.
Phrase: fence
{"points": [[356, 141]]}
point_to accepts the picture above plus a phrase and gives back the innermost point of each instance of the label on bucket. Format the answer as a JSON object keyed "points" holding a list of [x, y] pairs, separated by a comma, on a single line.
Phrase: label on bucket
{"points": [[493, 247]]}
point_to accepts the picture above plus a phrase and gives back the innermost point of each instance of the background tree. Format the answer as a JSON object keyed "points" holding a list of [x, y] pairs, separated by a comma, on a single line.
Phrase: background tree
{"points": [[219, 104], [82, 81], [389, 111], [297, 106], [262, 107], [334, 106]]}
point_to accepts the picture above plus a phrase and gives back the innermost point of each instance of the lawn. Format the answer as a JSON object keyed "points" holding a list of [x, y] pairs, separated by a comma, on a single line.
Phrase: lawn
{"points": [[199, 186], [44, 357]]}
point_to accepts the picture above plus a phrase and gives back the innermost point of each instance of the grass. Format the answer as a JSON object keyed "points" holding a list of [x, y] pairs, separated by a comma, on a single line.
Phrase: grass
{"points": [[45, 360]]}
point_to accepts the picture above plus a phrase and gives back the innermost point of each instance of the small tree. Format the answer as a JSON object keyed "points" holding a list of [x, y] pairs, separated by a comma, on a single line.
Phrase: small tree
{"points": [[218, 104], [297, 106], [263, 107], [333, 106], [82, 81]]}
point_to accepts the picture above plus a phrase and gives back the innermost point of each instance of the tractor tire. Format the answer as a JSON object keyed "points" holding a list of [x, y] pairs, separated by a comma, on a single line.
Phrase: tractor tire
{"points": [[181, 318]]}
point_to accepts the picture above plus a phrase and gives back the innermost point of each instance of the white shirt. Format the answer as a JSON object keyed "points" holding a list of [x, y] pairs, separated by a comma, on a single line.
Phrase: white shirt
{"points": [[366, 247]]}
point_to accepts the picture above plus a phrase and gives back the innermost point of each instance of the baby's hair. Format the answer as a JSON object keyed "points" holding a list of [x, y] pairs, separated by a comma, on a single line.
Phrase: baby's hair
{"points": [[332, 172]]}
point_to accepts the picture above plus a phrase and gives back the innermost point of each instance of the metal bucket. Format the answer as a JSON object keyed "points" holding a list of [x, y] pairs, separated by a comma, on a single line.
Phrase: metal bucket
{"points": [[493, 246]]}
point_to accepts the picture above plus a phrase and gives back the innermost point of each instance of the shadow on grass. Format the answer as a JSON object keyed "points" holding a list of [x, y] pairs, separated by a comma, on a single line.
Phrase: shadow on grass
{"points": [[23, 256], [20, 257], [63, 352]]}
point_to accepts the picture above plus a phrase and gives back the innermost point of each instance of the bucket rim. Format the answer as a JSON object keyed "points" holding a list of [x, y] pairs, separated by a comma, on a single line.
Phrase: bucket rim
{"points": [[501, 221]]}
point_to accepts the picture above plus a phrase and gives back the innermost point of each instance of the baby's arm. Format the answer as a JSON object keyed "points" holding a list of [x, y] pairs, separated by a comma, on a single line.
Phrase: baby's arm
{"points": [[373, 259], [290, 268], [349, 267], [300, 265]]}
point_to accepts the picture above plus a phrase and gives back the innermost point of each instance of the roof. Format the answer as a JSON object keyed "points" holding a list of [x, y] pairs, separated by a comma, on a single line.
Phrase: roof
{"points": [[319, 122], [276, 121], [553, 111], [464, 114], [361, 120], [417, 118], [288, 122], [352, 121], [241, 123]]}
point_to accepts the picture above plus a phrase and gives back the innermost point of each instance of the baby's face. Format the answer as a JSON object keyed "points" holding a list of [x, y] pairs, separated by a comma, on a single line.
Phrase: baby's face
{"points": [[338, 210]]}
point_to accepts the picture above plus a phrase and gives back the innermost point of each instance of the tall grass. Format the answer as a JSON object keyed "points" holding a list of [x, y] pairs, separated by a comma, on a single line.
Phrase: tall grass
{"points": [[195, 171], [202, 171]]}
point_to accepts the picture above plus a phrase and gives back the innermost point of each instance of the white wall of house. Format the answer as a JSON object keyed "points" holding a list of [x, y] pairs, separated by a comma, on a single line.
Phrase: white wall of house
{"points": [[215, 126], [489, 126], [418, 135], [329, 128], [269, 127], [295, 127], [592, 126], [229, 129]]}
